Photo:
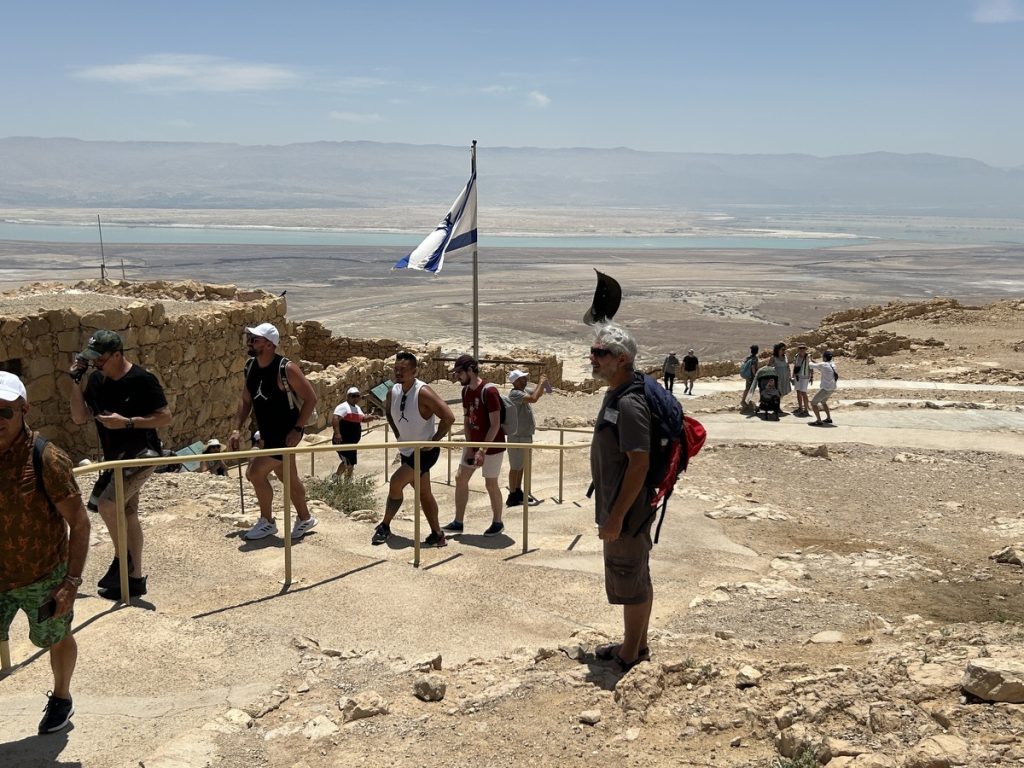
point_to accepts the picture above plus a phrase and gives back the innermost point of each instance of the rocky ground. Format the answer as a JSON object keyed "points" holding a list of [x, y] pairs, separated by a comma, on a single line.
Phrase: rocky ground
{"points": [[844, 597]]}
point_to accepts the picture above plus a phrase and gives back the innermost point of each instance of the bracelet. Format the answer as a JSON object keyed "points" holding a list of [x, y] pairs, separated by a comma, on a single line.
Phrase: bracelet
{"points": [[130, 424], [75, 581]]}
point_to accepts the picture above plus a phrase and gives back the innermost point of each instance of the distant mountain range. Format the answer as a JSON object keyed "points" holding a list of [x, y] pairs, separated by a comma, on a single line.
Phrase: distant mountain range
{"points": [[73, 173]]}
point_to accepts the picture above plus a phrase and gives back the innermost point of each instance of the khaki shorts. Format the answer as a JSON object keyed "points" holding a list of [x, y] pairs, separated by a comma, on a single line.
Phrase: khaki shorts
{"points": [[104, 490], [627, 570], [492, 462], [43, 634], [517, 456], [822, 396]]}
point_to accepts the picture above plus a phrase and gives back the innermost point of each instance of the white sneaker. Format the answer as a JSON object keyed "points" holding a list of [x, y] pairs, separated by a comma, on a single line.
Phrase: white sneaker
{"points": [[261, 530], [302, 527]]}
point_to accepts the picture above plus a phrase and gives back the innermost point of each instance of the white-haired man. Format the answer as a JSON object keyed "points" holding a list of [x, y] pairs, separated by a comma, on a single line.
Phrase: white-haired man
{"points": [[619, 459]]}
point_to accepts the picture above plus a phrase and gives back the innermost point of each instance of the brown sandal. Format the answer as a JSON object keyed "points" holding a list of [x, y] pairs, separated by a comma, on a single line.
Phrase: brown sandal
{"points": [[610, 652]]}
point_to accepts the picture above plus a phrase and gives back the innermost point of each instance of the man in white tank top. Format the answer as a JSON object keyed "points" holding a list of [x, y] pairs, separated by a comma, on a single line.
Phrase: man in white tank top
{"points": [[416, 413]]}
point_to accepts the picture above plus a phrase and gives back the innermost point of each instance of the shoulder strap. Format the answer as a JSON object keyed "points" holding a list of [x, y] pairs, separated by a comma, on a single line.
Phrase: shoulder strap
{"points": [[248, 366], [282, 371], [38, 446]]}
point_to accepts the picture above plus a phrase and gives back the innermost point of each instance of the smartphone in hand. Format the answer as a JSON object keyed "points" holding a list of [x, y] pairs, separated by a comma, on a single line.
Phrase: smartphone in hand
{"points": [[46, 610], [547, 386]]}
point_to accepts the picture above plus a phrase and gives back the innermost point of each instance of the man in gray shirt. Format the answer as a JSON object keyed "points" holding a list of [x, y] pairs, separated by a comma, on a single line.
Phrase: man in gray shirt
{"points": [[619, 459], [522, 400]]}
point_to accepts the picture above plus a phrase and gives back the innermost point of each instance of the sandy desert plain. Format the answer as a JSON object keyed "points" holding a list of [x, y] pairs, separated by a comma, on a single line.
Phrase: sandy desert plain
{"points": [[819, 593]]}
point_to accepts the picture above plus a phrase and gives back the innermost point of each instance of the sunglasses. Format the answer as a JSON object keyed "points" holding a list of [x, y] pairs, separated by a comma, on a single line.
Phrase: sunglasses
{"points": [[7, 412], [401, 407], [598, 352], [99, 362]]}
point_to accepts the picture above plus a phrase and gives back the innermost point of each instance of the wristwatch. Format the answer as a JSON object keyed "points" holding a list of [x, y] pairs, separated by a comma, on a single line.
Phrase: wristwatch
{"points": [[130, 423], [75, 581]]}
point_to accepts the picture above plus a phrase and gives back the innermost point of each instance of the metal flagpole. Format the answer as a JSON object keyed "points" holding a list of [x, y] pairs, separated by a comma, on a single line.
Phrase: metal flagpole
{"points": [[476, 274], [103, 258]]}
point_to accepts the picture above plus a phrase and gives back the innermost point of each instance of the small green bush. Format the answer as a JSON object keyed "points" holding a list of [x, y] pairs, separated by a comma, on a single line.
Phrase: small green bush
{"points": [[344, 495], [804, 760]]}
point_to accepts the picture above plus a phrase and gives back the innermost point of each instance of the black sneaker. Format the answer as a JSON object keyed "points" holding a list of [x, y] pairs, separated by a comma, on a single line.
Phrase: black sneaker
{"points": [[454, 526], [136, 588], [112, 577], [436, 540], [56, 714], [828, 420], [494, 529], [381, 534], [515, 498]]}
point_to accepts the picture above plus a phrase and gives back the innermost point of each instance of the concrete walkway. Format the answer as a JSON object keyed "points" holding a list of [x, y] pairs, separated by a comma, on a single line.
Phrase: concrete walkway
{"points": [[715, 386]]}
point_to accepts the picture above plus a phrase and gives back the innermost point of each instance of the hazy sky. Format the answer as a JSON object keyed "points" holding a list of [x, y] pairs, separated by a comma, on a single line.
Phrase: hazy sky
{"points": [[775, 76]]}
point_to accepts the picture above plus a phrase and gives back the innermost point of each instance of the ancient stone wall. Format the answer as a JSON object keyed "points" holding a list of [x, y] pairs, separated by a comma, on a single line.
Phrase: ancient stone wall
{"points": [[190, 336]]}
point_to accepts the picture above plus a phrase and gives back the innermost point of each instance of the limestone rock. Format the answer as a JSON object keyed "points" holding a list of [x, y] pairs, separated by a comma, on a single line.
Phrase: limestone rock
{"points": [[798, 739], [816, 451], [828, 636], [640, 688], [590, 716], [748, 677], [995, 680], [1008, 555], [430, 688], [940, 751], [319, 727], [364, 704]]}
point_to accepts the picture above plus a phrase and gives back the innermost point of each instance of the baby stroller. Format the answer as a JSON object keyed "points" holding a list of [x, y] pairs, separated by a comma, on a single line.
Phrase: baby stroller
{"points": [[769, 400]]}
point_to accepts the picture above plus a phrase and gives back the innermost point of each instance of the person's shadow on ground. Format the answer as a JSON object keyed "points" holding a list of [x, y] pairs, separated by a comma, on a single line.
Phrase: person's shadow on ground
{"points": [[501, 541], [38, 751]]}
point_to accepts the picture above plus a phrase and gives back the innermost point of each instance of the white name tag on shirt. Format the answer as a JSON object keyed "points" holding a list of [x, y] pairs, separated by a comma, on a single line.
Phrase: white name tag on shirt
{"points": [[611, 415]]}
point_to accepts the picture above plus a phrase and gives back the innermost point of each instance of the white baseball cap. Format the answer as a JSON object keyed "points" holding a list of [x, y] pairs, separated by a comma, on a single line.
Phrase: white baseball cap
{"points": [[266, 331], [353, 391], [11, 387], [515, 375], [212, 442]]}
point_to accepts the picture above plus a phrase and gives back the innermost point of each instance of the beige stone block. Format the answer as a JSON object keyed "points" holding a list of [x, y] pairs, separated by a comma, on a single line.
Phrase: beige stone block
{"points": [[113, 319], [41, 389], [139, 312], [157, 314], [40, 366], [148, 334]]}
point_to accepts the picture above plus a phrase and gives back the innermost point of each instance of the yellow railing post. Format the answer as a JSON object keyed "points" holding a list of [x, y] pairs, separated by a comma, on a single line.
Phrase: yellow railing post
{"points": [[122, 534], [312, 463], [416, 483], [449, 452], [386, 465], [5, 657], [561, 465], [288, 459], [526, 495]]}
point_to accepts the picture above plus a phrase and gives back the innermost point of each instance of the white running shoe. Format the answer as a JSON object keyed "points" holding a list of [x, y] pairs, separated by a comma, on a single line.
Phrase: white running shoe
{"points": [[302, 527], [261, 530]]}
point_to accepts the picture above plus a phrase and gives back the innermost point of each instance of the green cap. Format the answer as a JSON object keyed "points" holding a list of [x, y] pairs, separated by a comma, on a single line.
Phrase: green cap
{"points": [[100, 343]]}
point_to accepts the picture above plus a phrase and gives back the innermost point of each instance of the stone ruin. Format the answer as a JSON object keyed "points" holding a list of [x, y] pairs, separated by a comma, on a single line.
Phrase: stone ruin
{"points": [[190, 335]]}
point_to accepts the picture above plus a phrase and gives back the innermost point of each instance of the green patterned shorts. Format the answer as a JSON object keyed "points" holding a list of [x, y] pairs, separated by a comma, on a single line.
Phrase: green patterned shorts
{"points": [[43, 634]]}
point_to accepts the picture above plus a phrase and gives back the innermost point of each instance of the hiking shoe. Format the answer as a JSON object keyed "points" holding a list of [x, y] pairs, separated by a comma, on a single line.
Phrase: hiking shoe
{"points": [[302, 527], [515, 498], [436, 540], [454, 526], [494, 529], [828, 420], [136, 588], [261, 530], [113, 575], [56, 714], [815, 423], [381, 534]]}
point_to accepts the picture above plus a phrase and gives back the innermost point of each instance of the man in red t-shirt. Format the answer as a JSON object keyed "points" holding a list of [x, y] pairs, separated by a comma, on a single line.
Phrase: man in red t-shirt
{"points": [[481, 404]]}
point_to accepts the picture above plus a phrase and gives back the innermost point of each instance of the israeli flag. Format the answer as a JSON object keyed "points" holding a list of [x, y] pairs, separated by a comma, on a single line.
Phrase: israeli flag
{"points": [[453, 236]]}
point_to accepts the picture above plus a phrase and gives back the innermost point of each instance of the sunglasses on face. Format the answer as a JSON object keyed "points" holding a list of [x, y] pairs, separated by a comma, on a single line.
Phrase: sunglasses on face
{"points": [[7, 412], [99, 362], [598, 352]]}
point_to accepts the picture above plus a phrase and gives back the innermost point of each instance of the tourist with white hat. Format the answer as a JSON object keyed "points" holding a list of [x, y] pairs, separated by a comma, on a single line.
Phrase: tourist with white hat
{"points": [[347, 423], [526, 426], [43, 547]]}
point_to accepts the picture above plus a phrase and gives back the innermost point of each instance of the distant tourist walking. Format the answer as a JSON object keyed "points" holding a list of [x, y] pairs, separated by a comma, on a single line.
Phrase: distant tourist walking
{"points": [[347, 423], [128, 405], [803, 377], [619, 459], [781, 363], [280, 421], [416, 413], [481, 405], [691, 370], [829, 382], [668, 370], [525, 429], [40, 563], [747, 370]]}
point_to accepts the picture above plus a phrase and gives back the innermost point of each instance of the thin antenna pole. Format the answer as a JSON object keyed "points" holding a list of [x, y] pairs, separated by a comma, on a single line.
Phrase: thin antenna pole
{"points": [[476, 273], [103, 258]]}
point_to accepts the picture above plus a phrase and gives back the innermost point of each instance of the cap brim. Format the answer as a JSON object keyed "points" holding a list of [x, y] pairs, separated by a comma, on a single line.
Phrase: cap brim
{"points": [[90, 354], [9, 395]]}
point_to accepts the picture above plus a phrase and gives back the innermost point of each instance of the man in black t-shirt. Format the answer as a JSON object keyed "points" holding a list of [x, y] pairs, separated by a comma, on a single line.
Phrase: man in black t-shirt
{"points": [[691, 370], [128, 405]]}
